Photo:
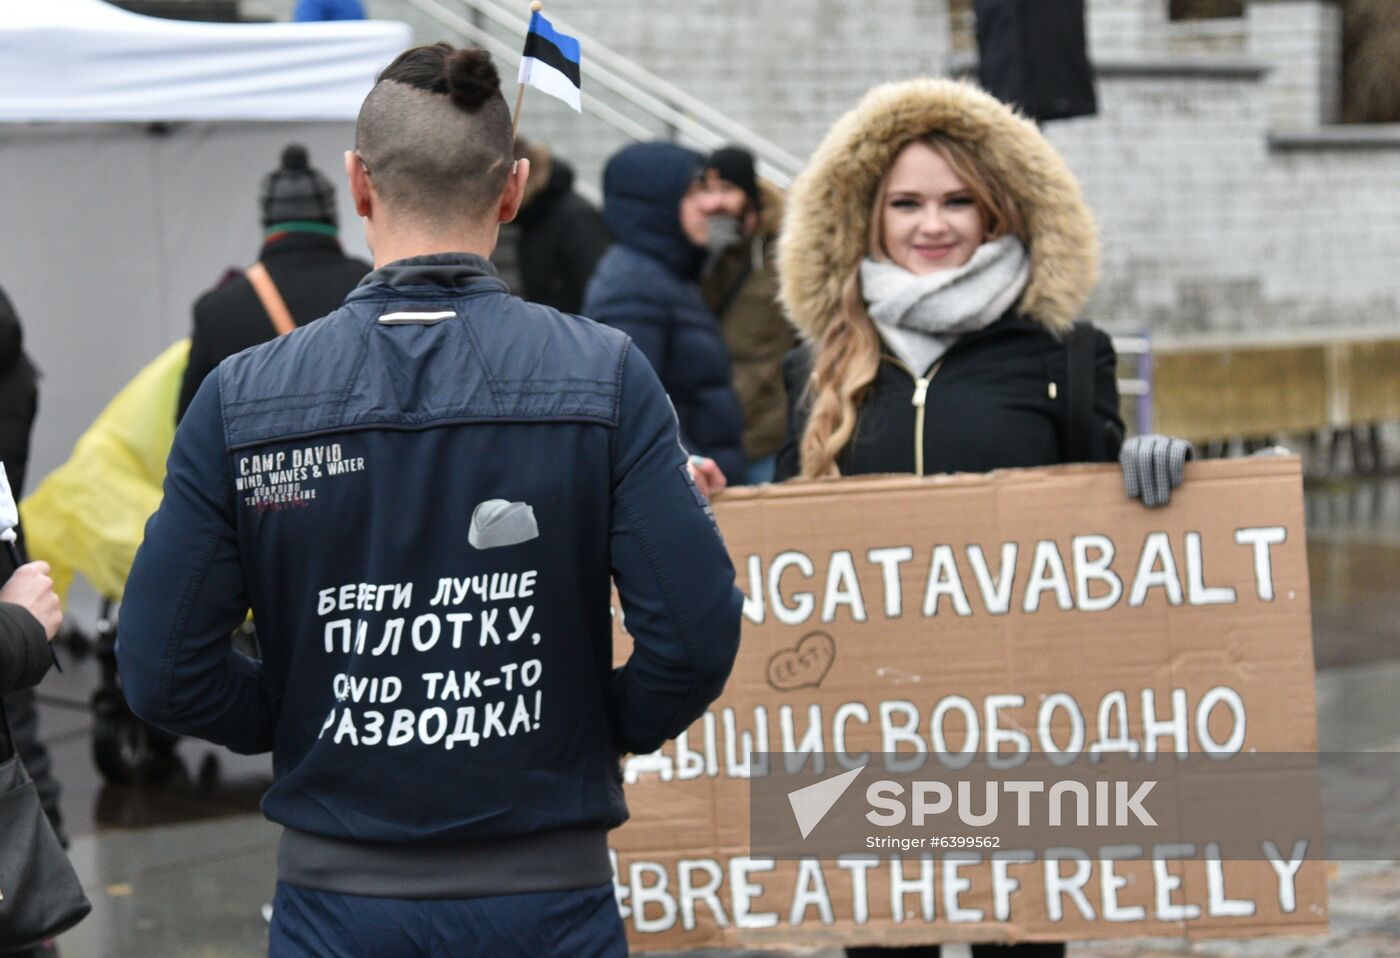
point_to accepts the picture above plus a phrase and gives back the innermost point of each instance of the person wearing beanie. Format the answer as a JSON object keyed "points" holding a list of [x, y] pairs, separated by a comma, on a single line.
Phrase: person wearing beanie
{"points": [[302, 258], [740, 283]]}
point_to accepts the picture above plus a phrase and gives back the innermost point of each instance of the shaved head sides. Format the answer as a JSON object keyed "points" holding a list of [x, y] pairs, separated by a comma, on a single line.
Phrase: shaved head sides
{"points": [[434, 134]]}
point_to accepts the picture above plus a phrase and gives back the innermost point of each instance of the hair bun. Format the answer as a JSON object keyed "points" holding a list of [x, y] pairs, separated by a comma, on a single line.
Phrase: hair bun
{"points": [[294, 158], [472, 78]]}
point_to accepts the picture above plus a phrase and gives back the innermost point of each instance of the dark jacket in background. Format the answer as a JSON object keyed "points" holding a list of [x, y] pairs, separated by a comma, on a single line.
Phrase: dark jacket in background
{"points": [[646, 286], [19, 401], [1034, 55], [19, 404], [313, 275], [989, 406], [562, 237]]}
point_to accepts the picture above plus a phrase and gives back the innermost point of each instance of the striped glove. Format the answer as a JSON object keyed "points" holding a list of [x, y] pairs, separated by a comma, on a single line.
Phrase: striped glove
{"points": [[1153, 466]]}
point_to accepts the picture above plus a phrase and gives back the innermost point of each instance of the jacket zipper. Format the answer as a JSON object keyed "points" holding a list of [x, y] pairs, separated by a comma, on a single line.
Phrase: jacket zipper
{"points": [[920, 398]]}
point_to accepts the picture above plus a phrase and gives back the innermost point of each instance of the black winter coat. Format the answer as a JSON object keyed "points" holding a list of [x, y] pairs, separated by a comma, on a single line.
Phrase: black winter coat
{"points": [[26, 657], [646, 286], [19, 400], [313, 275], [24, 649], [562, 238], [997, 400]]}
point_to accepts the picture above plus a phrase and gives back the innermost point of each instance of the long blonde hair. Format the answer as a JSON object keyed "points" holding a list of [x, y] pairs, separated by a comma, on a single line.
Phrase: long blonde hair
{"points": [[848, 351]]}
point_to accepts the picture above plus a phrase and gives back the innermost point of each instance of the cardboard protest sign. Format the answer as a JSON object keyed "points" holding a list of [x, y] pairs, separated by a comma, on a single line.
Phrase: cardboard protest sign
{"points": [[1033, 614]]}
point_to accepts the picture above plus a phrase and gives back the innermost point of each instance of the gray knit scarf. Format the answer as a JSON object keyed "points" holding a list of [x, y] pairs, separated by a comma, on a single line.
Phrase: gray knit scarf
{"points": [[919, 317]]}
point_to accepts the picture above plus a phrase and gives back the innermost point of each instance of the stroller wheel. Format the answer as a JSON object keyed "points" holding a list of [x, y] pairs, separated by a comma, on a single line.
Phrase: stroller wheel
{"points": [[129, 752]]}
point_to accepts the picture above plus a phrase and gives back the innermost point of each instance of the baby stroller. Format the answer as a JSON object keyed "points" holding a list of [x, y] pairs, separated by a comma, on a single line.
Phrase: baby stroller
{"points": [[125, 749]]}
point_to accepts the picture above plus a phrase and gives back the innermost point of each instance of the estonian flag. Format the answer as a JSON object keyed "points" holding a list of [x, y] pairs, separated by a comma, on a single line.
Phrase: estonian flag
{"points": [[550, 62]]}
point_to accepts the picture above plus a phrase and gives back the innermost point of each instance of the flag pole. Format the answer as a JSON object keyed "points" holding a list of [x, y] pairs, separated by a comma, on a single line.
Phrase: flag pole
{"points": [[535, 7]]}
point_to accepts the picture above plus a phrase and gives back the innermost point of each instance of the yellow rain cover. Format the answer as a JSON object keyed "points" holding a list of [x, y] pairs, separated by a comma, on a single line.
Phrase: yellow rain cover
{"points": [[90, 513]]}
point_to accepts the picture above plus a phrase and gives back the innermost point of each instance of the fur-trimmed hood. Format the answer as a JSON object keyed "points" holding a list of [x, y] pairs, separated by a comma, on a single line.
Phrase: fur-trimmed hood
{"points": [[827, 219]]}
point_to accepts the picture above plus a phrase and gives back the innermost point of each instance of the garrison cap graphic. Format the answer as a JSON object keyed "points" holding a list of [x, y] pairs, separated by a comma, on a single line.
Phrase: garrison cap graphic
{"points": [[497, 522], [811, 803]]}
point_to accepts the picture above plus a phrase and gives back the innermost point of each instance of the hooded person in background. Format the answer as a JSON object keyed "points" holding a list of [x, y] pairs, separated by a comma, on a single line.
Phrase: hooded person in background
{"points": [[561, 235], [433, 431], [647, 286], [301, 255], [743, 217]]}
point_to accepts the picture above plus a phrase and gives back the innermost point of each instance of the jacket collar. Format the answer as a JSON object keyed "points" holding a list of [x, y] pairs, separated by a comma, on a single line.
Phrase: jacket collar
{"points": [[449, 270]]}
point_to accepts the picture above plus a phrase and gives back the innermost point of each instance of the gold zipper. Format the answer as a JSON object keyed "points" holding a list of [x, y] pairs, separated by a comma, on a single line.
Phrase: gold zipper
{"points": [[920, 398]]}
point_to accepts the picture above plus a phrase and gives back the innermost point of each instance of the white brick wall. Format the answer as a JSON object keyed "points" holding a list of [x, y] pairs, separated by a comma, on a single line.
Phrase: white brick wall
{"points": [[786, 68], [1302, 41], [1208, 231], [1119, 28]]}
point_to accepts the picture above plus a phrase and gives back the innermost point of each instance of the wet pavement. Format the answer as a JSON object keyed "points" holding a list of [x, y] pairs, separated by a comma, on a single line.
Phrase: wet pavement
{"points": [[183, 868]]}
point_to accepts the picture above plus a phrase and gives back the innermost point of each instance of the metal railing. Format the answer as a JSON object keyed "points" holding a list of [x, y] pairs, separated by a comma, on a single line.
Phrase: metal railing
{"points": [[1137, 350], [682, 114]]}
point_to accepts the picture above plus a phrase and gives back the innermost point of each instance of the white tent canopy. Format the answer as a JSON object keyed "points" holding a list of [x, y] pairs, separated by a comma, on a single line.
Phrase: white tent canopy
{"points": [[133, 149], [85, 60]]}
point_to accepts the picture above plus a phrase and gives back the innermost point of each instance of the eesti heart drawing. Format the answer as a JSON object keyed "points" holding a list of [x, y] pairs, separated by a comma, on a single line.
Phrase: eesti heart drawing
{"points": [[804, 666]]}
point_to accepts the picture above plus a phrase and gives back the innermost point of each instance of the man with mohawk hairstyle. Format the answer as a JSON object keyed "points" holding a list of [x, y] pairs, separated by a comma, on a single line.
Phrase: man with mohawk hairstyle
{"points": [[423, 497]]}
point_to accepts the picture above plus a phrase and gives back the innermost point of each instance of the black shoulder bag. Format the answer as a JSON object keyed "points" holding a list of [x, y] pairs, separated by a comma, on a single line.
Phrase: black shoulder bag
{"points": [[40, 895]]}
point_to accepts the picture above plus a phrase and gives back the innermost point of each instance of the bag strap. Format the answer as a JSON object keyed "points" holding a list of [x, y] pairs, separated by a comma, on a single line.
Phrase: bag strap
{"points": [[271, 299], [1079, 392]]}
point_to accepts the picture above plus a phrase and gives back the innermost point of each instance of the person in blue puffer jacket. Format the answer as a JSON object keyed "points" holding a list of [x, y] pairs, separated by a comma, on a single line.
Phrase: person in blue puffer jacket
{"points": [[647, 286]]}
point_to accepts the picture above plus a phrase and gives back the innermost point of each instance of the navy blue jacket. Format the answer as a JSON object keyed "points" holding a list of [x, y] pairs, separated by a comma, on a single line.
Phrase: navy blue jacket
{"points": [[646, 286], [422, 497]]}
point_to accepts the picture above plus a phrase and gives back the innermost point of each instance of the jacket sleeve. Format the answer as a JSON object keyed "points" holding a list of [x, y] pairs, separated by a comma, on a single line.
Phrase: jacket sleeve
{"points": [[796, 369], [24, 649], [673, 575], [1108, 438], [185, 596]]}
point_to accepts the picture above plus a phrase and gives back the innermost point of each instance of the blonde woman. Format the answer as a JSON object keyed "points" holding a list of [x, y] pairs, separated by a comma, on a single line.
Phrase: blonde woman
{"points": [[935, 257]]}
